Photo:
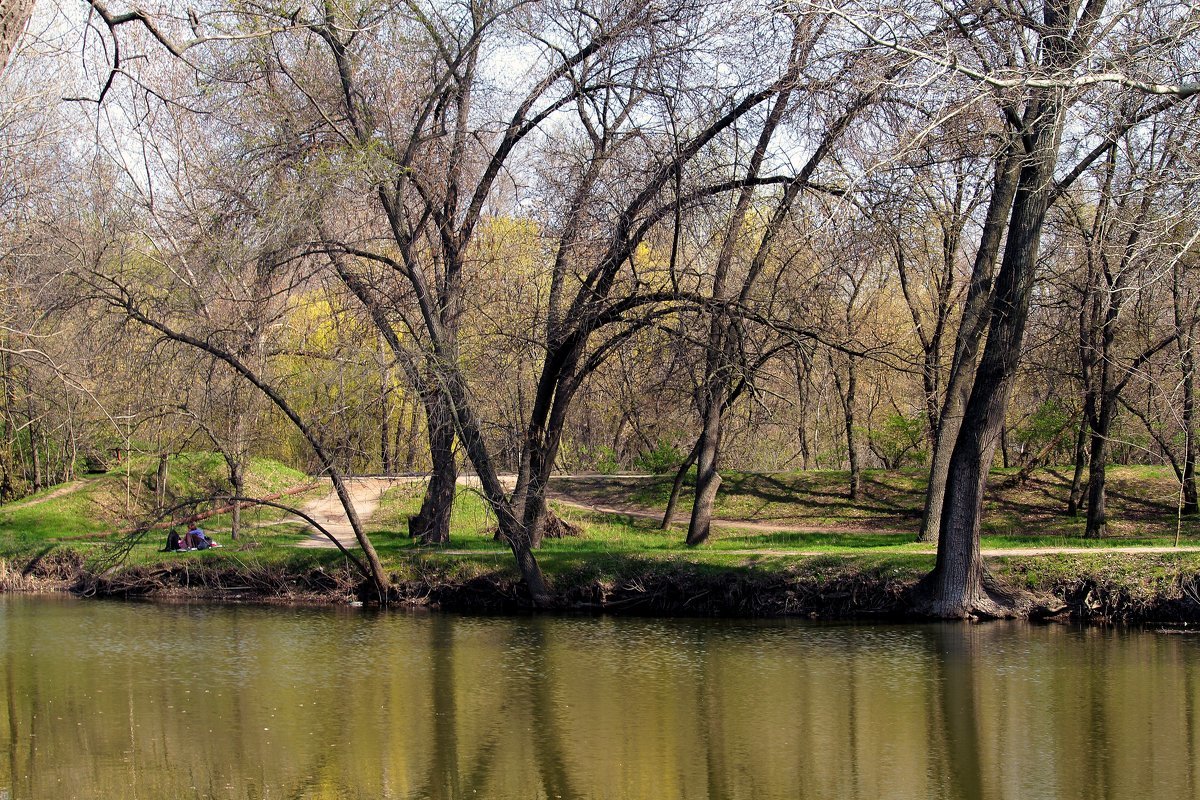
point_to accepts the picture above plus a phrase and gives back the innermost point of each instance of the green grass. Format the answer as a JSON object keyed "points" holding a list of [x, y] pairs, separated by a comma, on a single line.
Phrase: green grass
{"points": [[87, 513], [1142, 503], [891, 501], [813, 525]]}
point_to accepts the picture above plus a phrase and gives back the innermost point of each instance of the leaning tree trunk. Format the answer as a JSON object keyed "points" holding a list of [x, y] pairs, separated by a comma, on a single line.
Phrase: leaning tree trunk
{"points": [[431, 525], [708, 480], [955, 588], [677, 485], [511, 529], [976, 311], [14, 16]]}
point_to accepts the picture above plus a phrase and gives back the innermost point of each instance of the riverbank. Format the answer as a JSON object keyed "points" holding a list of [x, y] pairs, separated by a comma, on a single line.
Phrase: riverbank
{"points": [[784, 545], [1106, 588]]}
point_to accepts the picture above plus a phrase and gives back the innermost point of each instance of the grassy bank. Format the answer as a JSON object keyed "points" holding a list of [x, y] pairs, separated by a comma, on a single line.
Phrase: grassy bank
{"points": [[94, 514], [789, 544]]}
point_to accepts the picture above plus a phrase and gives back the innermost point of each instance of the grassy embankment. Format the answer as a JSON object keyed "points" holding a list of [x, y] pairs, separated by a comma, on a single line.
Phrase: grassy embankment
{"points": [[801, 529], [789, 541], [89, 519]]}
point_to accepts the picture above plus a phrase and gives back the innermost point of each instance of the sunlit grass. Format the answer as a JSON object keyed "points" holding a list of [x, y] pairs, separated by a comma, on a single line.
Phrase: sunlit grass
{"points": [[807, 516], [90, 514]]}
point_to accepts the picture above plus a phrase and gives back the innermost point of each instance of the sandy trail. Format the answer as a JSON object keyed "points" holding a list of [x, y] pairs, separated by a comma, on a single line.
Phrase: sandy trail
{"points": [[328, 512], [365, 493]]}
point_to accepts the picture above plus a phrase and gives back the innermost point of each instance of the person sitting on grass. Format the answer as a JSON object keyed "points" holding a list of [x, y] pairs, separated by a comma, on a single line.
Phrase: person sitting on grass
{"points": [[197, 539], [174, 541]]}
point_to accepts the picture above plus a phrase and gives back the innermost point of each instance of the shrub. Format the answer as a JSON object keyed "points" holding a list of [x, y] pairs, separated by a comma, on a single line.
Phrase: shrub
{"points": [[664, 457]]}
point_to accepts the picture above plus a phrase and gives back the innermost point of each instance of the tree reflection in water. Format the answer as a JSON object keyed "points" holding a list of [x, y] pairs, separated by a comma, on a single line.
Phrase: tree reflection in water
{"points": [[107, 699]]}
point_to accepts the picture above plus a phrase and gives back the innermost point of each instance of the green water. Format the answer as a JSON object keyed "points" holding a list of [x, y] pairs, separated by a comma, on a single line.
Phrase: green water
{"points": [[120, 700]]}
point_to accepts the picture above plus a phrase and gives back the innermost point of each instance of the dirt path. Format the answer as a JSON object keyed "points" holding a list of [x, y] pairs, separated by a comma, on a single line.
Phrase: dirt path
{"points": [[739, 524], [772, 527], [365, 493], [66, 488], [327, 509]]}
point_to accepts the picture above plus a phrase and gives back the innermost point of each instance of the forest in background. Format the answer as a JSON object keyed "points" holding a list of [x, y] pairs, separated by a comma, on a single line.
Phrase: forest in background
{"points": [[373, 237]]}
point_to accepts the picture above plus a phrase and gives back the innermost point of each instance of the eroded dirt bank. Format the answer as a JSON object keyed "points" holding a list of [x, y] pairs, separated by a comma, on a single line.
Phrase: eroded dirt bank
{"points": [[1084, 592]]}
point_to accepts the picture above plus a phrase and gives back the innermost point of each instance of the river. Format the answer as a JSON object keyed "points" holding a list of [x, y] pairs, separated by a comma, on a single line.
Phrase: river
{"points": [[139, 700]]}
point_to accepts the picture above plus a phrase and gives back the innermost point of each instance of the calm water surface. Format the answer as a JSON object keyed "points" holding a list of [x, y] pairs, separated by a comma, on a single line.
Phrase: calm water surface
{"points": [[112, 700]]}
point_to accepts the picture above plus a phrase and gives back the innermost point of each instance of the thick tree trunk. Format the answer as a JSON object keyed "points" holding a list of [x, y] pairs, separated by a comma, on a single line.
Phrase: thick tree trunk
{"points": [[939, 469], [431, 525], [14, 16], [1097, 522], [708, 480], [956, 584], [955, 587], [975, 316]]}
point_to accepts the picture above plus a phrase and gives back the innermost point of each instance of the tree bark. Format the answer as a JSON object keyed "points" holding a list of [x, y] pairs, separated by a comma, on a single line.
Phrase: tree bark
{"points": [[975, 316], [708, 480], [238, 479], [160, 480], [410, 456], [1097, 522], [1185, 329], [1075, 500], [385, 423], [14, 16], [677, 486], [431, 525], [847, 394], [1191, 504], [510, 526], [956, 587]]}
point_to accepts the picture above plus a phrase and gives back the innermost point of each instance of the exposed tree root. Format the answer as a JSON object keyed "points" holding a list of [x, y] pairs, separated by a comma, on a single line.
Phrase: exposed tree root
{"points": [[993, 600], [428, 531], [555, 527], [243, 583], [652, 588]]}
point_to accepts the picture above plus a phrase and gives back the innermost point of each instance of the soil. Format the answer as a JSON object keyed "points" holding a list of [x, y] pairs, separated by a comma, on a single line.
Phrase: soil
{"points": [[328, 512], [65, 489]]}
